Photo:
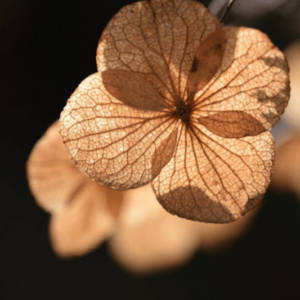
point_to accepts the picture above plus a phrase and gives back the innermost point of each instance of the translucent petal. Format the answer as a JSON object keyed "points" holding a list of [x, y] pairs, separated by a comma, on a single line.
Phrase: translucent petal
{"points": [[253, 78], [112, 143], [215, 179], [156, 39]]}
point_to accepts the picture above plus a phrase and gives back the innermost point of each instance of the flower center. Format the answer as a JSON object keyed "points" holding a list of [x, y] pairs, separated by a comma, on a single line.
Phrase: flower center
{"points": [[183, 111]]}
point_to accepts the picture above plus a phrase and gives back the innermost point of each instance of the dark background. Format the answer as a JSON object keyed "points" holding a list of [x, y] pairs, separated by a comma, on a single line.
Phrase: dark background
{"points": [[46, 50]]}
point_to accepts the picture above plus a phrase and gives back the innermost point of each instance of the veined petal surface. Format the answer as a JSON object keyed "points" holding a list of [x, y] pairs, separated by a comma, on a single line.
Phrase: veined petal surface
{"points": [[114, 144], [215, 179]]}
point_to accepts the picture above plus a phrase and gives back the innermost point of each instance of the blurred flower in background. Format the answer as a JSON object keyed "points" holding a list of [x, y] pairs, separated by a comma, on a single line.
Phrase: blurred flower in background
{"points": [[286, 176], [141, 235], [292, 112]]}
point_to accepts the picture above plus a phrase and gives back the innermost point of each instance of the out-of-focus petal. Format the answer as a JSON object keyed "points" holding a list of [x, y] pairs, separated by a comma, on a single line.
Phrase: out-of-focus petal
{"points": [[216, 238], [292, 113], [149, 238], [253, 78], [214, 179], [156, 39], [86, 222], [113, 143], [286, 176], [52, 176]]}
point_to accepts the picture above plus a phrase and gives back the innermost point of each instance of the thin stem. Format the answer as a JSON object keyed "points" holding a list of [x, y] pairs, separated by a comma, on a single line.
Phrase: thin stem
{"points": [[221, 8], [226, 11]]}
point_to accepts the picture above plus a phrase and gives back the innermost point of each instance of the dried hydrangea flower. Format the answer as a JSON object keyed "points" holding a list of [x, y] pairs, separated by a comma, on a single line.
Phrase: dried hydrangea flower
{"points": [[182, 103], [141, 235]]}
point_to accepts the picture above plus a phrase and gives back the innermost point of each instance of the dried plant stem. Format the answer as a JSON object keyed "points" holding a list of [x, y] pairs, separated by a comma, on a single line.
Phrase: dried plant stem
{"points": [[226, 11], [221, 8]]}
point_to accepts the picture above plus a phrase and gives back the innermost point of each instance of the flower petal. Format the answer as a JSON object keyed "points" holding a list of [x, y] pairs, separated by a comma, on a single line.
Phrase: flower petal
{"points": [[112, 143], [253, 78], [215, 179], [156, 39], [85, 223], [149, 238], [286, 176], [52, 177]]}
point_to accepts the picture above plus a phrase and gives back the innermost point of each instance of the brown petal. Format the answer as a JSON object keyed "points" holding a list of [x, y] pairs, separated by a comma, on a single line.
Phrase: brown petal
{"points": [[133, 90], [149, 238], [215, 179], [232, 124], [52, 177], [156, 39], [253, 78], [85, 223], [286, 176], [112, 143]]}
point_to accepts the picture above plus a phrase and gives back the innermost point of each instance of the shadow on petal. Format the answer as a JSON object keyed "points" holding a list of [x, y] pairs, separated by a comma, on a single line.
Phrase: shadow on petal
{"points": [[191, 198]]}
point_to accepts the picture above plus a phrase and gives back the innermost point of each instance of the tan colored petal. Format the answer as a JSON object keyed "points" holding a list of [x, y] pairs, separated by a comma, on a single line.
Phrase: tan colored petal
{"points": [[133, 90], [253, 78], [149, 238], [85, 223], [292, 113], [156, 39], [286, 177], [215, 179], [52, 177], [112, 143], [216, 238]]}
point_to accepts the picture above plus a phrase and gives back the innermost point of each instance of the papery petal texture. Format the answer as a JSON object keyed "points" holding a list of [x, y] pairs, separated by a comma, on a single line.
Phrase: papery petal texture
{"points": [[183, 103], [156, 39], [112, 143], [215, 179], [253, 78]]}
